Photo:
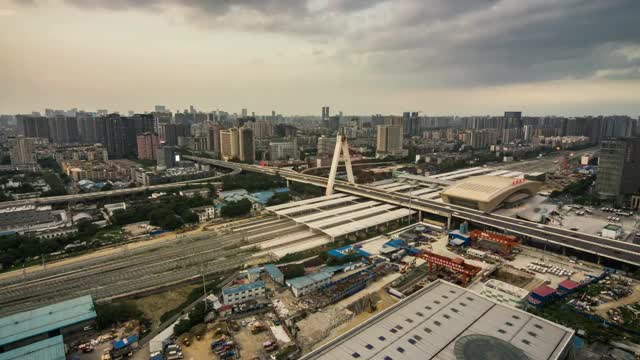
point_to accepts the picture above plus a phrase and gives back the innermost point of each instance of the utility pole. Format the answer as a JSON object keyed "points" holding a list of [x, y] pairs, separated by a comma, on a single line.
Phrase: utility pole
{"points": [[204, 287]]}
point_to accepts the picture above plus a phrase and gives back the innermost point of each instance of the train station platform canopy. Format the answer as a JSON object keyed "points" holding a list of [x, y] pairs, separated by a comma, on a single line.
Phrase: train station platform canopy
{"points": [[342, 215]]}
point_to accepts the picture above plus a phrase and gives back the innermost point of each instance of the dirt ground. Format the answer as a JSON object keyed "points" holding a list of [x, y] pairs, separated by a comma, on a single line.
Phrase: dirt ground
{"points": [[250, 345], [386, 301], [511, 277], [156, 305], [601, 310], [327, 323], [199, 349]]}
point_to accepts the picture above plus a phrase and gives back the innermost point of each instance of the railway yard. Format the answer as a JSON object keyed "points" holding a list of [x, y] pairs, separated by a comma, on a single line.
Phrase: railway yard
{"points": [[146, 268]]}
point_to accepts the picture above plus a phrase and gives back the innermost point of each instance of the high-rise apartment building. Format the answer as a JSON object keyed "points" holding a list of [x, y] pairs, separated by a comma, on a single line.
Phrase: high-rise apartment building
{"points": [[213, 139], [22, 151], [229, 144], [170, 133], [246, 145], [333, 124], [261, 129], [618, 172], [326, 145], [283, 150], [33, 126], [166, 157], [63, 129], [325, 113], [147, 146], [244, 113], [389, 141]]}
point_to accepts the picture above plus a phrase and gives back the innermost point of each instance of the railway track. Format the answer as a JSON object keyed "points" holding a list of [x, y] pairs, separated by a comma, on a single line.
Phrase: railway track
{"points": [[111, 276]]}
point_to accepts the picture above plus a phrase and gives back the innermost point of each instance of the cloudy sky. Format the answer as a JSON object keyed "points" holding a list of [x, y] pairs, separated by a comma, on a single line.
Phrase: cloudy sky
{"points": [[564, 57]]}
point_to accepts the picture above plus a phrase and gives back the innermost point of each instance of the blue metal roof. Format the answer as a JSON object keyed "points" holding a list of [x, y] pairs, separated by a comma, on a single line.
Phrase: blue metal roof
{"points": [[273, 271], [307, 280], [243, 287], [117, 345], [396, 243], [343, 251], [42, 320], [48, 349], [254, 270]]}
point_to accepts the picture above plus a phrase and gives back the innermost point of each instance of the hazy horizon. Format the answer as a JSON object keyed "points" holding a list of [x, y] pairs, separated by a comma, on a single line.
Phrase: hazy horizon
{"points": [[564, 58]]}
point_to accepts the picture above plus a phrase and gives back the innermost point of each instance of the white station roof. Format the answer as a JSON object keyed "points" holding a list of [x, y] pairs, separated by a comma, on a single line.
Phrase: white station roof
{"points": [[315, 205], [333, 212], [368, 222], [446, 322], [303, 202]]}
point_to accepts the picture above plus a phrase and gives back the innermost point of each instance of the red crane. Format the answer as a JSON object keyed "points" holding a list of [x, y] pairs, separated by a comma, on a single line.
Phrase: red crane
{"points": [[509, 241], [456, 265]]}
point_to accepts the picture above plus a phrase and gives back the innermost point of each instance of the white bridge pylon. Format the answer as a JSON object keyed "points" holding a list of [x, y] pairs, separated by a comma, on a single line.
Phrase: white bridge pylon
{"points": [[342, 148]]}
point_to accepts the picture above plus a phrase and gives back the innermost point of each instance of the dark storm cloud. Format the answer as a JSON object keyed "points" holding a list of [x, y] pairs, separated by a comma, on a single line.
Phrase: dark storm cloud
{"points": [[440, 42]]}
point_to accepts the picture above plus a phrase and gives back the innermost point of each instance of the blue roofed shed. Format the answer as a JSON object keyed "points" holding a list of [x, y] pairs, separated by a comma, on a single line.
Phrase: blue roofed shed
{"points": [[123, 343], [48, 349], [396, 243], [275, 273], [346, 250], [243, 287], [22, 326]]}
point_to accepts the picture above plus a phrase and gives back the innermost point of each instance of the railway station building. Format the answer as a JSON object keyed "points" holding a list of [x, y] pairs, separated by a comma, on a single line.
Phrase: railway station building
{"points": [[487, 193]]}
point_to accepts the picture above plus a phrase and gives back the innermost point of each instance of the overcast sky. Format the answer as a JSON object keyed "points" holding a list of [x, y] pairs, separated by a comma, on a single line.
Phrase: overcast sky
{"points": [[563, 57]]}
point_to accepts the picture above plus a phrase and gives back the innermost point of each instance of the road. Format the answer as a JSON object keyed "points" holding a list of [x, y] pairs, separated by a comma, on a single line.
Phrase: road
{"points": [[613, 249], [121, 192], [140, 269]]}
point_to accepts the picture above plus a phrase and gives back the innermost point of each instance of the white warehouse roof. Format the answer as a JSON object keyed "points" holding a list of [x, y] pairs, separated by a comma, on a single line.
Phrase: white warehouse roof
{"points": [[446, 322]]}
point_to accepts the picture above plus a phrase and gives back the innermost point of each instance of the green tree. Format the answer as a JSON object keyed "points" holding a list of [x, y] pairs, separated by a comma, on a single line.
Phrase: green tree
{"points": [[293, 270], [108, 315], [236, 208], [279, 198], [189, 217]]}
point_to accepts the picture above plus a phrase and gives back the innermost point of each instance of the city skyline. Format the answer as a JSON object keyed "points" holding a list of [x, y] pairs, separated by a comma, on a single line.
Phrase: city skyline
{"points": [[468, 58]]}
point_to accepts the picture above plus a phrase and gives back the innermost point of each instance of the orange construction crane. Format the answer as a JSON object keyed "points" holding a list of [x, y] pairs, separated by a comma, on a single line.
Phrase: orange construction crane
{"points": [[509, 241], [457, 265]]}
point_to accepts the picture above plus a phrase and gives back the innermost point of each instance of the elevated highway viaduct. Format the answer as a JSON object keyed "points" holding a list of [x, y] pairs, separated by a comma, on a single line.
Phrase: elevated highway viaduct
{"points": [[613, 252]]}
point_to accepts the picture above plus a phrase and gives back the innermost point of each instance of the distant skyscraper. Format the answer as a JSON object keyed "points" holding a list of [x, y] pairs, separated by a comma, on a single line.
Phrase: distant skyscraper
{"points": [[147, 146], [325, 113], [246, 144], [243, 113], [166, 157], [326, 145], [33, 126], [618, 172], [213, 139], [283, 150], [171, 132], [160, 108], [333, 123], [229, 144], [389, 141], [22, 151]]}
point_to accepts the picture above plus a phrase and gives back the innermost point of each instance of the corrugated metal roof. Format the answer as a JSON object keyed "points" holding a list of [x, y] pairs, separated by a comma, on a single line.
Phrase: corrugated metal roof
{"points": [[273, 271], [243, 287], [48, 349], [430, 323], [42, 320], [307, 280]]}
